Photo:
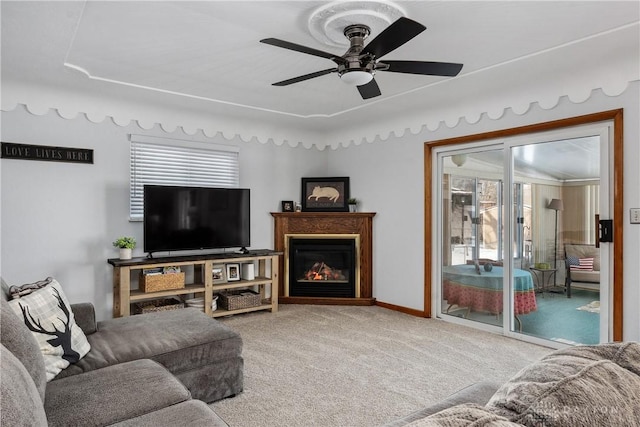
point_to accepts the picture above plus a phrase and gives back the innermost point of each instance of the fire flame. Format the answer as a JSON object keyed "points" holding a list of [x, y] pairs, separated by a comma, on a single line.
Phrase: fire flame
{"points": [[321, 271]]}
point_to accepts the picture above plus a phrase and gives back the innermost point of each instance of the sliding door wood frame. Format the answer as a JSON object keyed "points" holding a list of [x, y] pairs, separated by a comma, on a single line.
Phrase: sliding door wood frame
{"points": [[616, 116]]}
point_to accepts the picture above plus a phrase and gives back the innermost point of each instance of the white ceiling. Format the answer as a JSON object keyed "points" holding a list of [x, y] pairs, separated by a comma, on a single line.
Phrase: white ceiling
{"points": [[555, 160], [204, 58]]}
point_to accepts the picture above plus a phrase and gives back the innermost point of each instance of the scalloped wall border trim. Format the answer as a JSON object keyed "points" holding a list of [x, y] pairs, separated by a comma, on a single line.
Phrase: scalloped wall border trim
{"points": [[414, 125]]}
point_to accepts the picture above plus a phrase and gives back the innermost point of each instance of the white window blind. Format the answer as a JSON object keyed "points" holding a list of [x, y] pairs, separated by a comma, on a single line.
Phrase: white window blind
{"points": [[162, 161]]}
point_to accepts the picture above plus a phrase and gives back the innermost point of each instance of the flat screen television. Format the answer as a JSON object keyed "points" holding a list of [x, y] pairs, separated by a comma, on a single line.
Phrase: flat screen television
{"points": [[187, 218]]}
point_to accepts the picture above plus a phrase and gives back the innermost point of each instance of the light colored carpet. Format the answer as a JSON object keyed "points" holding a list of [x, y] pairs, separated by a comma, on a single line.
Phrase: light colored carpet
{"points": [[358, 366]]}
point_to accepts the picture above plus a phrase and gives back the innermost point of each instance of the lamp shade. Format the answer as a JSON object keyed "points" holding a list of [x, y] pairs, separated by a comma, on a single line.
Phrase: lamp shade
{"points": [[556, 205]]}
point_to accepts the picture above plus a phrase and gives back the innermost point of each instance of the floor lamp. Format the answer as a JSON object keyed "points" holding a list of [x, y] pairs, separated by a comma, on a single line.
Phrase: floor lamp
{"points": [[556, 205]]}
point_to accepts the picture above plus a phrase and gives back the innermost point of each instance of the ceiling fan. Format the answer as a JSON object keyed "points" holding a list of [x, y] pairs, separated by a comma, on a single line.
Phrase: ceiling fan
{"points": [[359, 64]]}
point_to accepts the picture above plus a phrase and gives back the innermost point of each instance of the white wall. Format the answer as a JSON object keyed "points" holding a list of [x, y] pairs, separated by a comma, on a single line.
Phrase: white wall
{"points": [[388, 177], [59, 219]]}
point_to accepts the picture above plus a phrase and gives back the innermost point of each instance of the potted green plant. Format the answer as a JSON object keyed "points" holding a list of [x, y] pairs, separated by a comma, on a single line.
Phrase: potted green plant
{"points": [[126, 245], [353, 204]]}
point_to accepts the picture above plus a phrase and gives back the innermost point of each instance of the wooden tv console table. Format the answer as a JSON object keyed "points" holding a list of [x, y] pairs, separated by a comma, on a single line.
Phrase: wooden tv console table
{"points": [[202, 283]]}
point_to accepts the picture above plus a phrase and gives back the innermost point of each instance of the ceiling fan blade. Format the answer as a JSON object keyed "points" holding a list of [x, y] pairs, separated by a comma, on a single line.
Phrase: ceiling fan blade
{"points": [[448, 69], [394, 36], [369, 90], [303, 49], [305, 77]]}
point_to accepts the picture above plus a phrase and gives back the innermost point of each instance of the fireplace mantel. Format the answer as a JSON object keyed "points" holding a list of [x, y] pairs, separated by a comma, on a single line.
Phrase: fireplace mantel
{"points": [[360, 223]]}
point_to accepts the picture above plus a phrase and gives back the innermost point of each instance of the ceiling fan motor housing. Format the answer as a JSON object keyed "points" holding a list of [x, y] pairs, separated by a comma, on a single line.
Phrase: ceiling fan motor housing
{"points": [[354, 61]]}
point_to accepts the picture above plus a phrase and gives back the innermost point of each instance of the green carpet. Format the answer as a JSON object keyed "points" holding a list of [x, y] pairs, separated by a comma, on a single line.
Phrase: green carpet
{"points": [[557, 318]]}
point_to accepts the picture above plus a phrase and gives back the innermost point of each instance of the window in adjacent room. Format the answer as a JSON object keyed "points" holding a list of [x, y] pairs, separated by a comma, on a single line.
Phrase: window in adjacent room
{"points": [[163, 161]]}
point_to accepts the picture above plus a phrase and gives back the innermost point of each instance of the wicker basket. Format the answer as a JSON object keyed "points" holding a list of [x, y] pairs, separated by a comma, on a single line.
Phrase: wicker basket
{"points": [[161, 282], [157, 305], [236, 299]]}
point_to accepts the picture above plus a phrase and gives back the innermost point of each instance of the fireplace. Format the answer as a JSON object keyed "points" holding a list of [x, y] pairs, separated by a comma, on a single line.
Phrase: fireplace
{"points": [[322, 265], [320, 226]]}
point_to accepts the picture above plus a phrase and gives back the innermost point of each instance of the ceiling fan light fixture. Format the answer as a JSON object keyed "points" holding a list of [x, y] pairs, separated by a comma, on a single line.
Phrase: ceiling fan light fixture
{"points": [[356, 77]]}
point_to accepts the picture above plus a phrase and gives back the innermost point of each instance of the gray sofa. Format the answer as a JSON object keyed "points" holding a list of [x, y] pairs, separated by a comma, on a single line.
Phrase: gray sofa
{"points": [[154, 369], [478, 393], [596, 385]]}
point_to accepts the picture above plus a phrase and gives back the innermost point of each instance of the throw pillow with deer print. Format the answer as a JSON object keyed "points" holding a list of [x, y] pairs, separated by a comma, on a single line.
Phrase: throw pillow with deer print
{"points": [[47, 313]]}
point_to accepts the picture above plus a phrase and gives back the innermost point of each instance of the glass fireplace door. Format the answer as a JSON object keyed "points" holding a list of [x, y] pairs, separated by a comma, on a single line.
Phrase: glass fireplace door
{"points": [[322, 267]]}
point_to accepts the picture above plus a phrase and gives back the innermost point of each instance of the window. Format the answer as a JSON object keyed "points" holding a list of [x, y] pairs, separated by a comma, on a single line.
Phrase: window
{"points": [[163, 161]]}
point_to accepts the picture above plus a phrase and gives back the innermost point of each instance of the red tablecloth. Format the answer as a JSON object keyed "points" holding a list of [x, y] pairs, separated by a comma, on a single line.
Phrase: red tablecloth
{"points": [[490, 300]]}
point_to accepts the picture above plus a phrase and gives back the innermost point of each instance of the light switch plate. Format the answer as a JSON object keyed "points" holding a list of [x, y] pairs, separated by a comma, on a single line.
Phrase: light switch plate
{"points": [[635, 215]]}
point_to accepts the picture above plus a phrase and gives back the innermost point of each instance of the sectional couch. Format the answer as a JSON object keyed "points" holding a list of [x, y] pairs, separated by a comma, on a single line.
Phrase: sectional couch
{"points": [[596, 385], [158, 369]]}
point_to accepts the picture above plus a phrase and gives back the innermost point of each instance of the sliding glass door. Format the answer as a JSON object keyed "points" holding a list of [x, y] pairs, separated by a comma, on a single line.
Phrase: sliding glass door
{"points": [[565, 262], [472, 227], [534, 270]]}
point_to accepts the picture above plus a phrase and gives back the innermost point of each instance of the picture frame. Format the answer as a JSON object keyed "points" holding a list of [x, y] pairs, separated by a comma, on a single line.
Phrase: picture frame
{"points": [[287, 206], [219, 274], [233, 272], [325, 194]]}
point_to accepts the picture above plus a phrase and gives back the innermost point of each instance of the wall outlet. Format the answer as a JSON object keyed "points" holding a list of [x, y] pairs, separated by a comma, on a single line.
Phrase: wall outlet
{"points": [[635, 215]]}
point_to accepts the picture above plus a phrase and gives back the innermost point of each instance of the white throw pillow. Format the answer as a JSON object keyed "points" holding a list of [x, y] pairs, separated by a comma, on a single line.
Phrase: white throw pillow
{"points": [[47, 313]]}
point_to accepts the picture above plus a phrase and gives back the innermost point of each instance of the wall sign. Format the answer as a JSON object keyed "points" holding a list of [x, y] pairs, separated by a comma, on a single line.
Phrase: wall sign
{"points": [[12, 150]]}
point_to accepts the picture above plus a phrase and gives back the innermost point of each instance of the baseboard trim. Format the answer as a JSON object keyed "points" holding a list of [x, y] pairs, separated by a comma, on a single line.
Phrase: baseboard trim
{"points": [[401, 309]]}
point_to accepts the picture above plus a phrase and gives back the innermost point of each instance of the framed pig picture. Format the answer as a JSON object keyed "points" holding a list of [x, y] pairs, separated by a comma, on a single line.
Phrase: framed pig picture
{"points": [[325, 194]]}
